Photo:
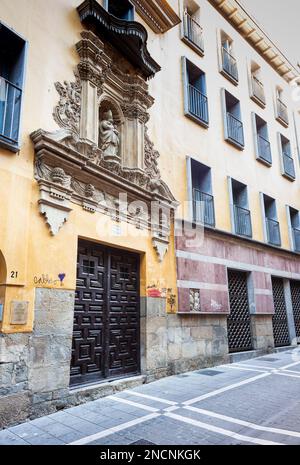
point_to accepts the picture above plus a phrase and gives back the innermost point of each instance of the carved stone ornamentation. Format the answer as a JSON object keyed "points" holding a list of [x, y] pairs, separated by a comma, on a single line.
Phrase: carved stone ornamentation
{"points": [[195, 300], [102, 149]]}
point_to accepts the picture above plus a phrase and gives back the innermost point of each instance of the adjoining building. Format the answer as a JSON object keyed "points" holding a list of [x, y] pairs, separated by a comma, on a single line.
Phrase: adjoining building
{"points": [[149, 175]]}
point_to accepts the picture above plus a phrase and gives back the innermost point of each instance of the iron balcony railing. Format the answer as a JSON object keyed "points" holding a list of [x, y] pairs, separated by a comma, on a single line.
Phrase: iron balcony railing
{"points": [[242, 221], [258, 89], [296, 233], [10, 105], [264, 148], [235, 129], [193, 31], [282, 111], [198, 105], [273, 231], [203, 208], [229, 64], [288, 165]]}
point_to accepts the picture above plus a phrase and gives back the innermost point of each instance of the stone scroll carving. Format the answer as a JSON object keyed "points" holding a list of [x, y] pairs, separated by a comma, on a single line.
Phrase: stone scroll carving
{"points": [[102, 148]]}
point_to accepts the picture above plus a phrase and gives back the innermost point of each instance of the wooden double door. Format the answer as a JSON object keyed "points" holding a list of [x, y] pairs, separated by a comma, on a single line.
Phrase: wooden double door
{"points": [[106, 333]]}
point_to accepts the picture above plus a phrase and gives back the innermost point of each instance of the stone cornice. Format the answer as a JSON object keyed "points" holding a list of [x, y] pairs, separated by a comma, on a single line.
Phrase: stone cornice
{"points": [[158, 14], [246, 25], [128, 37]]}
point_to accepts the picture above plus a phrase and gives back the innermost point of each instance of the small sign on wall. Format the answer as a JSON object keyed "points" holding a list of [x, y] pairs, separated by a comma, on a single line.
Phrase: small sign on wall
{"points": [[1, 312], [18, 312]]}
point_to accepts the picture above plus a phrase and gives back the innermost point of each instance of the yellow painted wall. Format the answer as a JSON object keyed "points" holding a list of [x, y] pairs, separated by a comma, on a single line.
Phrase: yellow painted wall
{"points": [[52, 29]]}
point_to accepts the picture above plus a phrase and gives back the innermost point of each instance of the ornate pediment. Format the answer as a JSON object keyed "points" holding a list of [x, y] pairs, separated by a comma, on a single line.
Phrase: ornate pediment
{"points": [[101, 157]]}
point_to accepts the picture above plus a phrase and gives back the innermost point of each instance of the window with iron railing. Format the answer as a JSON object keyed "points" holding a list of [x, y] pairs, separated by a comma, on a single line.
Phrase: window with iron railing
{"points": [[296, 237], [193, 32], [196, 102], [198, 105], [282, 112], [12, 54], [264, 149], [229, 64], [242, 221], [235, 129], [258, 91], [10, 107], [288, 165], [203, 208], [273, 231]]}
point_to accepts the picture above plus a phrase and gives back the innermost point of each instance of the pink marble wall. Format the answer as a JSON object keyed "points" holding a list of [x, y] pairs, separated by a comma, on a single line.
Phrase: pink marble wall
{"points": [[211, 278]]}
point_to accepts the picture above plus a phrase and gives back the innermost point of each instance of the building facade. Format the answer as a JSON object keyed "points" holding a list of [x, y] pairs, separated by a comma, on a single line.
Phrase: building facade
{"points": [[112, 272]]}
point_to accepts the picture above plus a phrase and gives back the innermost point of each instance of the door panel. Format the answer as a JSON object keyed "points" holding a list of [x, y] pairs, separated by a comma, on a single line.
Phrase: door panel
{"points": [[106, 315], [280, 323], [238, 322]]}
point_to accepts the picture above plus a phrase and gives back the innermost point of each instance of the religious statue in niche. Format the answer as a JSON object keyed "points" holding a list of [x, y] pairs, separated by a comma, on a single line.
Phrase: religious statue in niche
{"points": [[109, 135]]}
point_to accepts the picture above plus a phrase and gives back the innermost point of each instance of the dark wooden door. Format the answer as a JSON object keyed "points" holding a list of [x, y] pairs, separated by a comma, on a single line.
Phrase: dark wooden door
{"points": [[238, 321], [106, 315]]}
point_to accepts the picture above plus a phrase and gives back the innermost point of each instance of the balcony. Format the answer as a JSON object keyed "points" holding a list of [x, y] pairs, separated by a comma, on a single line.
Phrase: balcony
{"points": [[258, 92], [273, 231], [10, 106], [296, 234], [235, 130], [242, 221], [198, 104], [203, 208], [282, 112], [264, 149], [229, 65], [193, 32], [288, 166]]}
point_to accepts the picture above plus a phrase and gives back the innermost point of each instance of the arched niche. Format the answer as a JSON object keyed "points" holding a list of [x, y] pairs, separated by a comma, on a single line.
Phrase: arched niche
{"points": [[107, 104], [3, 269]]}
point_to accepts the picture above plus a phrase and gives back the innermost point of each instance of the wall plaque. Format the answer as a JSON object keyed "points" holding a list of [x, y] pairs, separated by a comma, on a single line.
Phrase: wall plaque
{"points": [[1, 312], [18, 312]]}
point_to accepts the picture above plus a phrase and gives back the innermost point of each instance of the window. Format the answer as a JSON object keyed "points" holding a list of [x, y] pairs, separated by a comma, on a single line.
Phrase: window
{"points": [[195, 98], [294, 221], [122, 10], [271, 226], [203, 201], [240, 208], [12, 55], [228, 61], [192, 31], [287, 162], [233, 126], [281, 108], [261, 140], [257, 91]]}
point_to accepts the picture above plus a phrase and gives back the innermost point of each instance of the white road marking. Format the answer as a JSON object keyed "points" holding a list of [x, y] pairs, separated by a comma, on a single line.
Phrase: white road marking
{"points": [[241, 367], [268, 429], [293, 371], [281, 373], [262, 367], [226, 388], [114, 429], [159, 399], [134, 404], [171, 409], [290, 365], [222, 431]]}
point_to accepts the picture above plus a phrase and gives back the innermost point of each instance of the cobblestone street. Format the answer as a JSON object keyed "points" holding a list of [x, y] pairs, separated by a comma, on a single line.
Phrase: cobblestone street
{"points": [[251, 402]]}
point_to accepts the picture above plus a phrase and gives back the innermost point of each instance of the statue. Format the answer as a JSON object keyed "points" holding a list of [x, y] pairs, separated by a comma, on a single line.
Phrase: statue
{"points": [[109, 135]]}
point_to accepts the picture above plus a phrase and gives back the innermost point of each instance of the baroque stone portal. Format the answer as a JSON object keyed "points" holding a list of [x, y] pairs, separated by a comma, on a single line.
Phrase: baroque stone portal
{"points": [[102, 148]]}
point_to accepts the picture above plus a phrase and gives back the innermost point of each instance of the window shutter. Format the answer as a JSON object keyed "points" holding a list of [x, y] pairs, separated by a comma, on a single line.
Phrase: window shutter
{"points": [[224, 111], [185, 85], [255, 136], [189, 187]]}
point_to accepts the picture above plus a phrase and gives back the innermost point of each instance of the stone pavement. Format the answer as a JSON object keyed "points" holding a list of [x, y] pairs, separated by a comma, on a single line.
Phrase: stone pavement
{"points": [[251, 402]]}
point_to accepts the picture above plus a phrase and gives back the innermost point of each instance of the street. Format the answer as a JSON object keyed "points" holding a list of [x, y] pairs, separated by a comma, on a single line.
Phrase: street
{"points": [[251, 402]]}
